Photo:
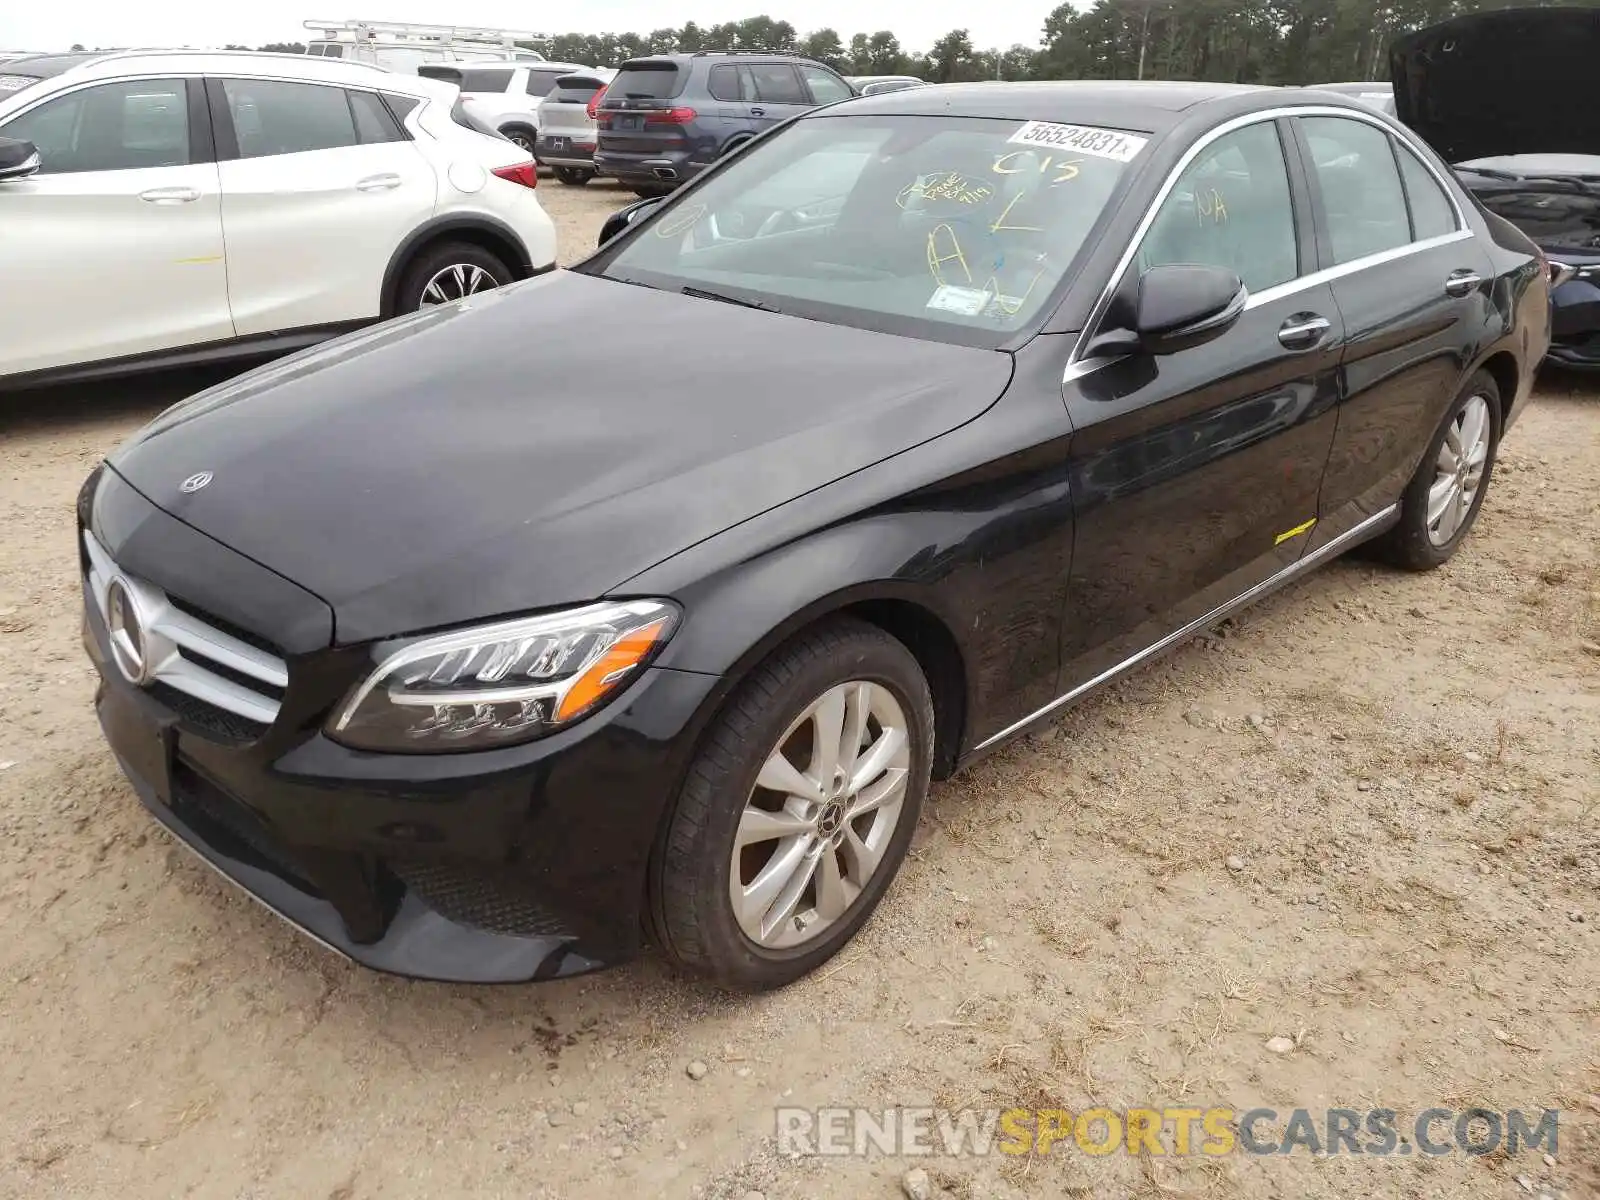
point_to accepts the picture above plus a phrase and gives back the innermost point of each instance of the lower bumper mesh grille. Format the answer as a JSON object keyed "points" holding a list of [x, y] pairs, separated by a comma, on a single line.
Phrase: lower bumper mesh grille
{"points": [[487, 899]]}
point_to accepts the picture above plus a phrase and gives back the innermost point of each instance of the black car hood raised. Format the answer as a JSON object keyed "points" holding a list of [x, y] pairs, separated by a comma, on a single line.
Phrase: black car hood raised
{"points": [[539, 446], [1516, 81]]}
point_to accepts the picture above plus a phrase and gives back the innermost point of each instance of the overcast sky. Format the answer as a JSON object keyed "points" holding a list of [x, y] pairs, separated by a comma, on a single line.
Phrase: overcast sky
{"points": [[918, 23]]}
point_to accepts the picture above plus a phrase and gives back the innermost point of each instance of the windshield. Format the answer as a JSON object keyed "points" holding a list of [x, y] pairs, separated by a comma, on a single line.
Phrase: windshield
{"points": [[955, 229]]}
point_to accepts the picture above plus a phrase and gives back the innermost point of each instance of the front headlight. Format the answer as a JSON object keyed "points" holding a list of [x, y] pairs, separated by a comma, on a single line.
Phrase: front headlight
{"points": [[502, 683]]}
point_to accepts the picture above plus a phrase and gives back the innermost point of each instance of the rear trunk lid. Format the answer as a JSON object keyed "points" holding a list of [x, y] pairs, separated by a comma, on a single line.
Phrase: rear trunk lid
{"points": [[1515, 81], [638, 113], [564, 112]]}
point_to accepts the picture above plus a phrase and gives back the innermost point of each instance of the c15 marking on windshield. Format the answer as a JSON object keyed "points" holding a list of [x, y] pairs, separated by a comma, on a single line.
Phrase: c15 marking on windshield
{"points": [[1065, 171], [1080, 139]]}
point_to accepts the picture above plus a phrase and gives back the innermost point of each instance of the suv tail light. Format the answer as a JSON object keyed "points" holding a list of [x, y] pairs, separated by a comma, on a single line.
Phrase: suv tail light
{"points": [[594, 103], [670, 116], [527, 174]]}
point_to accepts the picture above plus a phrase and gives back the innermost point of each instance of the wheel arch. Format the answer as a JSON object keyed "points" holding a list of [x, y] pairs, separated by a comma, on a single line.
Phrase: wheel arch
{"points": [[1502, 366], [478, 229], [901, 611]]}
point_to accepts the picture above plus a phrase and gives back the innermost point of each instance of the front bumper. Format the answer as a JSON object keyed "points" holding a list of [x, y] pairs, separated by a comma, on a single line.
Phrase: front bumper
{"points": [[508, 865], [1575, 321]]}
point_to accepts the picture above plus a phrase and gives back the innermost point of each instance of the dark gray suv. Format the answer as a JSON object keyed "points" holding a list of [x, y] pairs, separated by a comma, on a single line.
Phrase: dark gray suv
{"points": [[666, 118]]}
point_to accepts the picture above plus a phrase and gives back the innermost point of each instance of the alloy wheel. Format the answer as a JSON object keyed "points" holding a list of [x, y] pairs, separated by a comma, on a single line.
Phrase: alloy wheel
{"points": [[454, 282], [823, 810], [1458, 471]]}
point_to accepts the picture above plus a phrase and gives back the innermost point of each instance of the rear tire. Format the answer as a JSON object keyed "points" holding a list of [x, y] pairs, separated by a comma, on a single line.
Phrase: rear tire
{"points": [[524, 137], [574, 176], [648, 191], [446, 271], [1441, 503], [833, 843]]}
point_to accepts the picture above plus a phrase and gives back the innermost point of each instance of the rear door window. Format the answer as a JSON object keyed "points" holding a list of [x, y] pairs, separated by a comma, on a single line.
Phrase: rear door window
{"points": [[724, 84], [1432, 214], [541, 80], [1364, 204], [374, 123], [647, 81], [778, 83], [485, 79], [274, 117]]}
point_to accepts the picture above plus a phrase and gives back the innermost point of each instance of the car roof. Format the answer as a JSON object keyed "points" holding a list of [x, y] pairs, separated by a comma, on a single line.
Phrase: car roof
{"points": [[1121, 104], [43, 66], [117, 63]]}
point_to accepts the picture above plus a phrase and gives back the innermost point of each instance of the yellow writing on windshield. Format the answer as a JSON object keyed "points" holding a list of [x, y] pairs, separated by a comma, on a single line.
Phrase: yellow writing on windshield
{"points": [[1065, 171], [944, 185], [950, 252]]}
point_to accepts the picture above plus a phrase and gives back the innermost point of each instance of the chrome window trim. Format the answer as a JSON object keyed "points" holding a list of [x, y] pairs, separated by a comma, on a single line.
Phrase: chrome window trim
{"points": [[1077, 366], [1274, 581]]}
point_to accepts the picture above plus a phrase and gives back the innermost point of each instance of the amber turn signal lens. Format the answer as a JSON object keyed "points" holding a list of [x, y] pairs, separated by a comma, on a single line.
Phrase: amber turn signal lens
{"points": [[607, 671]]}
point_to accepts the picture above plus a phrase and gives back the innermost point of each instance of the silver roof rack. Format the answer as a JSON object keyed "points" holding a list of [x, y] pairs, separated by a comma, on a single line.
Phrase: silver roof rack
{"points": [[409, 33]]}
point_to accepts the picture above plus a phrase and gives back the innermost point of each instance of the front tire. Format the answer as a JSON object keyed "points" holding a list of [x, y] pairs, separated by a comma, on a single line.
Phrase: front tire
{"points": [[448, 272], [574, 176], [799, 809], [1441, 503]]}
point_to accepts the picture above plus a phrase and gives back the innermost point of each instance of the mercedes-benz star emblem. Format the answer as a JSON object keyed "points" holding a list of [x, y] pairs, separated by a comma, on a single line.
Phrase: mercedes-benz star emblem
{"points": [[195, 482], [127, 634]]}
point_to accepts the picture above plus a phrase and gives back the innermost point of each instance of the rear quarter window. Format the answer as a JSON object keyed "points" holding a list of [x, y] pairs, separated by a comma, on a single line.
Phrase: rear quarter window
{"points": [[647, 81]]}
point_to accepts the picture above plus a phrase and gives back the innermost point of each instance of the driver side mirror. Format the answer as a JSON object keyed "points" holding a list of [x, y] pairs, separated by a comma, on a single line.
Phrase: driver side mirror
{"points": [[624, 217], [1171, 308], [18, 159]]}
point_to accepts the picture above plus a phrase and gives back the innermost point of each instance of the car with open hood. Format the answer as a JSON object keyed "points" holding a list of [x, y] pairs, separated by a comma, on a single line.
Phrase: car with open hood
{"points": [[478, 657], [1527, 145]]}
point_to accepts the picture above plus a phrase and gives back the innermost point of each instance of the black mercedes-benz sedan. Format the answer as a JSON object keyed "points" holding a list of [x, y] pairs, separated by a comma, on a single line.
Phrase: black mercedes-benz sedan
{"points": [[481, 647], [1528, 147]]}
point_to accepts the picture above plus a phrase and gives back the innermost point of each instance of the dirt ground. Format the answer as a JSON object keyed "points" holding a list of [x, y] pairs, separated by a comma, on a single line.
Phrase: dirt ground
{"points": [[1363, 817]]}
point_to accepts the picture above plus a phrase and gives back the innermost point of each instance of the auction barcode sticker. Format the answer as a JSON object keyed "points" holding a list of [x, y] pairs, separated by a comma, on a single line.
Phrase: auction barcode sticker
{"points": [[1081, 139]]}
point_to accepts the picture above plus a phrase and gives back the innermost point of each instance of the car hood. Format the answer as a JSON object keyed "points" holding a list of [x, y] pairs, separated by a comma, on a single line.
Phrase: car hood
{"points": [[537, 446], [1516, 81]]}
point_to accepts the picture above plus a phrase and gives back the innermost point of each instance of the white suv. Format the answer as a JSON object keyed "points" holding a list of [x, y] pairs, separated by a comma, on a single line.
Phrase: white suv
{"points": [[198, 205], [506, 95]]}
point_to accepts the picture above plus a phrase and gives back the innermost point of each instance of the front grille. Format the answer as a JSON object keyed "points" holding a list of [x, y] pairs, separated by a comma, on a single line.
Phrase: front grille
{"points": [[484, 898], [234, 681], [195, 713]]}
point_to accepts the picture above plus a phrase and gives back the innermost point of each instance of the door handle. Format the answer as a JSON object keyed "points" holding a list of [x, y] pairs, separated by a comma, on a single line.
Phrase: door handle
{"points": [[1303, 331], [758, 112], [1462, 283], [379, 183], [170, 195]]}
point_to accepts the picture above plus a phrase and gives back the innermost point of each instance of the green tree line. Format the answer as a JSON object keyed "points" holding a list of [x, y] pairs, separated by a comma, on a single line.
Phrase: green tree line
{"points": [[1244, 41], [1241, 41]]}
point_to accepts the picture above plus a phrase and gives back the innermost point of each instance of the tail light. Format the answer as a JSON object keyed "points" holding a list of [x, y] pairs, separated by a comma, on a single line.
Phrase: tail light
{"points": [[594, 103], [527, 174], [670, 116]]}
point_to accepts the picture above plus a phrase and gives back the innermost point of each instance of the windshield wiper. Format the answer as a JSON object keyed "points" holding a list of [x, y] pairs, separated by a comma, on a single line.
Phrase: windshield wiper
{"points": [[707, 294]]}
